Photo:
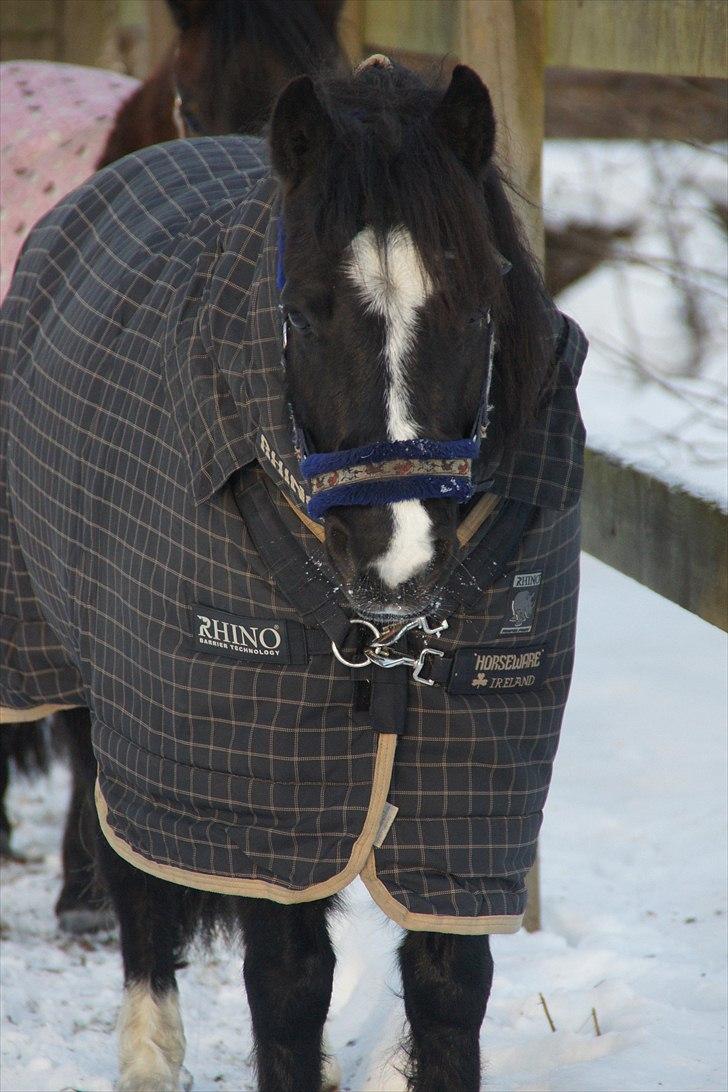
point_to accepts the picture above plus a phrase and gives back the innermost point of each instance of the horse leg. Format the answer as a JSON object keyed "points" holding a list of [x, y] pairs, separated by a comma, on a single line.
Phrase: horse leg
{"points": [[289, 971], [6, 850], [151, 919], [83, 905], [23, 747], [447, 981]]}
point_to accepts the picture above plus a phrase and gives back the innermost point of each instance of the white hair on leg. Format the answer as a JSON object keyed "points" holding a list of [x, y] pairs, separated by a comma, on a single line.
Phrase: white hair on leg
{"points": [[331, 1081], [151, 1041], [394, 284]]}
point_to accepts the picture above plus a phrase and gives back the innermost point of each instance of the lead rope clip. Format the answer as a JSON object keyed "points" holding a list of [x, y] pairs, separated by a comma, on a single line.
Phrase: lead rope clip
{"points": [[381, 652]]}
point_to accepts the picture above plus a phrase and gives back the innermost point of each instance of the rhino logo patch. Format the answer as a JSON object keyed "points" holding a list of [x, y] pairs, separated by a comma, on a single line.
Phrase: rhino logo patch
{"points": [[525, 592]]}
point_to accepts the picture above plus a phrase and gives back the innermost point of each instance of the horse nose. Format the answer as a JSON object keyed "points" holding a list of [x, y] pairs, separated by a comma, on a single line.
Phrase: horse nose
{"points": [[388, 545], [411, 548], [387, 553]]}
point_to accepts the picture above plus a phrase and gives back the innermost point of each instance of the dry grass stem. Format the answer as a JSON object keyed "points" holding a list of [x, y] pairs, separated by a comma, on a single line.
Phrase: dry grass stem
{"points": [[552, 1025]]}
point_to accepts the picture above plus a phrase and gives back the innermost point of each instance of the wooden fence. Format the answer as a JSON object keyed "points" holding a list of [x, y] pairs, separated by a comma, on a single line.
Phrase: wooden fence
{"points": [[127, 35]]}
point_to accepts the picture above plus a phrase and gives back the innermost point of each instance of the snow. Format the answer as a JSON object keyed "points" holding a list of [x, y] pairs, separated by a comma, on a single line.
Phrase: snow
{"points": [[633, 886], [653, 391]]}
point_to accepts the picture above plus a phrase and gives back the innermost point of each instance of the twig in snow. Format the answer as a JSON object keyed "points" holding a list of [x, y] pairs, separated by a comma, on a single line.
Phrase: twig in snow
{"points": [[597, 1029], [552, 1025]]}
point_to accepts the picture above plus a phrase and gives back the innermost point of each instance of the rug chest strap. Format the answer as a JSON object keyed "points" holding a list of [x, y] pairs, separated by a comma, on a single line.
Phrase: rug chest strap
{"points": [[312, 594]]}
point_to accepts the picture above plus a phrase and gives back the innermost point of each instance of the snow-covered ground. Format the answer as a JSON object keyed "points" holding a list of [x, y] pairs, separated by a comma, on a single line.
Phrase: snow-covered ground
{"points": [[633, 883], [653, 391]]}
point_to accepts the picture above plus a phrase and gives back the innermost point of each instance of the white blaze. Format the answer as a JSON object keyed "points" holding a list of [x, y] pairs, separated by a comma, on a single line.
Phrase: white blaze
{"points": [[394, 284]]}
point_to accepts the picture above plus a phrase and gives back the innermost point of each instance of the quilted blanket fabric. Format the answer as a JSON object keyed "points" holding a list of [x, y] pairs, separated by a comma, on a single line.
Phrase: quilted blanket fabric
{"points": [[155, 568]]}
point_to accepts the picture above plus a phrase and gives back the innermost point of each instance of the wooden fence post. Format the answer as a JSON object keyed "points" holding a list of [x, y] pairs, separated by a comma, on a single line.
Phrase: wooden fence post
{"points": [[161, 32], [503, 40], [351, 30]]}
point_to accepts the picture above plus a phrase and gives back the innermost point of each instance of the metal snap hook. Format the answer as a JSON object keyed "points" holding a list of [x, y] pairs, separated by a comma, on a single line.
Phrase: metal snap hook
{"points": [[366, 661], [416, 674], [381, 653]]}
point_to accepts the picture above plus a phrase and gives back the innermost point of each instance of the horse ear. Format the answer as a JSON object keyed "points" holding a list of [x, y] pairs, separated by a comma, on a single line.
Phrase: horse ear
{"points": [[465, 119], [188, 13], [329, 12], [300, 129]]}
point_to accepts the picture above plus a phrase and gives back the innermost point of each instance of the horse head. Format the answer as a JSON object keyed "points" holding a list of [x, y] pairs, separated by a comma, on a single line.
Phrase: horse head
{"points": [[232, 57], [395, 224]]}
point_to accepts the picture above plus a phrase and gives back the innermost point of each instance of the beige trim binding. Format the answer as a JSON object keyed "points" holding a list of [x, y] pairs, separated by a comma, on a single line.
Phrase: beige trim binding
{"points": [[262, 889], [38, 712], [361, 862], [433, 923]]}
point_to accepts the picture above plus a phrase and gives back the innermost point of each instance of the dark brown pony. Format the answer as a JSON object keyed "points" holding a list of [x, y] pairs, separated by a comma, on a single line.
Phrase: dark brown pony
{"points": [[223, 75]]}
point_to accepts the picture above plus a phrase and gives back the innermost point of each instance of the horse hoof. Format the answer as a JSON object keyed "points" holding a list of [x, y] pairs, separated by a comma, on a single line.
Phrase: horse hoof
{"points": [[185, 1080], [82, 920]]}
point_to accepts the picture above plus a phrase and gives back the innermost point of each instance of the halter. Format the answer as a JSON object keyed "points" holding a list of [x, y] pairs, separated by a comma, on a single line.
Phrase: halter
{"points": [[184, 120], [391, 470]]}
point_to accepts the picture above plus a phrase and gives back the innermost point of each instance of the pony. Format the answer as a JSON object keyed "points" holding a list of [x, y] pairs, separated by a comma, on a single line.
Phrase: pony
{"points": [[222, 74], [413, 325], [225, 69]]}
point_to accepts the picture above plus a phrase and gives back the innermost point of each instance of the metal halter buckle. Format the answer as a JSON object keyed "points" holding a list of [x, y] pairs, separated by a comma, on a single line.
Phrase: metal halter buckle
{"points": [[381, 652]]}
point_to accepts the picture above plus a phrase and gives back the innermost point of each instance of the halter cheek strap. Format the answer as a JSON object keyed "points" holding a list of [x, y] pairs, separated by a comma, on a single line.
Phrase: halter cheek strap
{"points": [[393, 470]]}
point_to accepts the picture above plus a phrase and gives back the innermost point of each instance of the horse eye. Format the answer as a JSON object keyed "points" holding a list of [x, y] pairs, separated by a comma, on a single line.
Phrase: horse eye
{"points": [[478, 318], [298, 320]]}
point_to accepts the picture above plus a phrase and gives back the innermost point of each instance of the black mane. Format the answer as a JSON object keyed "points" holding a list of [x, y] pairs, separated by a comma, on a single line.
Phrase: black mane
{"points": [[389, 164], [248, 50], [294, 30]]}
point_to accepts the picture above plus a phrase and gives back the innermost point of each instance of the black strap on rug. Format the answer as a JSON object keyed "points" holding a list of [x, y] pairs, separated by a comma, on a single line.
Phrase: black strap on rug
{"points": [[312, 595]]}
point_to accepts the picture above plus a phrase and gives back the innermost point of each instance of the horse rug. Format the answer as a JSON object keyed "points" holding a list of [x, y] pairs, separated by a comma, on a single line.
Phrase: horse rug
{"points": [[158, 567]]}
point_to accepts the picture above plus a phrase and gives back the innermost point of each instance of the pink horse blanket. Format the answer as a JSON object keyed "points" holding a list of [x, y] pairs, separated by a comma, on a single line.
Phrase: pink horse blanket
{"points": [[54, 121]]}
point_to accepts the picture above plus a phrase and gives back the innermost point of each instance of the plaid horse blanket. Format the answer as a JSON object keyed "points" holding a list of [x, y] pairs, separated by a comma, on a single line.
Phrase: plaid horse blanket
{"points": [[158, 568]]}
